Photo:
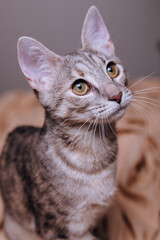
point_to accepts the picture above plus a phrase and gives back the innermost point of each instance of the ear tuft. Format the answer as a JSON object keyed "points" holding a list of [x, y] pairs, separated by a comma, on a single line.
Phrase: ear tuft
{"points": [[95, 35], [38, 63]]}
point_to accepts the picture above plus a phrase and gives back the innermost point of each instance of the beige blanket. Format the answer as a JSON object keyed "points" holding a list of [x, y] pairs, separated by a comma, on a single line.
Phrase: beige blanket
{"points": [[135, 213]]}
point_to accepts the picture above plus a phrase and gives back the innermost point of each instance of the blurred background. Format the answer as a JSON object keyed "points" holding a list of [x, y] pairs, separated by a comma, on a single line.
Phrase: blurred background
{"points": [[134, 27]]}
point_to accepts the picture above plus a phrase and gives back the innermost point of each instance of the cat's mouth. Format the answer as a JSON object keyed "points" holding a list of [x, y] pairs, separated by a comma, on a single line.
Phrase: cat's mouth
{"points": [[112, 111], [111, 116], [119, 111]]}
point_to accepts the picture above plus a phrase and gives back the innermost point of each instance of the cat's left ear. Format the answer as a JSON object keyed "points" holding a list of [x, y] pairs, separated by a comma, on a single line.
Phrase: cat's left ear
{"points": [[95, 35]]}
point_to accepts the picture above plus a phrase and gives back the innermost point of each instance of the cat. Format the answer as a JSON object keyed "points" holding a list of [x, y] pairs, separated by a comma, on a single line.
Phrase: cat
{"points": [[58, 181]]}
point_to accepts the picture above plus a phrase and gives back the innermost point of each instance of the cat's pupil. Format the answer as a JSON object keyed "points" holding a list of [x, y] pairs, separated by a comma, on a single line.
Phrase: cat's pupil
{"points": [[110, 69], [79, 86]]}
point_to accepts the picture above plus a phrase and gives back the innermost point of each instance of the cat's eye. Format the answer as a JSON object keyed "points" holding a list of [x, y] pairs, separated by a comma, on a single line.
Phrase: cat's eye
{"points": [[80, 87], [112, 70]]}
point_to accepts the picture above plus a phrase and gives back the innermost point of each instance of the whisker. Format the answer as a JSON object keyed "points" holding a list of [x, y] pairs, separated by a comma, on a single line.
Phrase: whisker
{"points": [[152, 115], [92, 130], [140, 109], [155, 120], [146, 105], [146, 89], [152, 99], [79, 130], [133, 105], [142, 112], [141, 79], [95, 108], [87, 132], [103, 130], [145, 92], [107, 129], [110, 125], [100, 132], [94, 138], [140, 100], [69, 118]]}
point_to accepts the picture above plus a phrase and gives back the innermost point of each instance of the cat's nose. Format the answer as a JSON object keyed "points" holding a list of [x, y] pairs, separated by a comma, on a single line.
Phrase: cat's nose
{"points": [[113, 93], [116, 98]]}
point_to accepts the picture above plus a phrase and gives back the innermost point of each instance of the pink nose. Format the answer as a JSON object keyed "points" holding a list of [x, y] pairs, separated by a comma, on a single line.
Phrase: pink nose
{"points": [[116, 98]]}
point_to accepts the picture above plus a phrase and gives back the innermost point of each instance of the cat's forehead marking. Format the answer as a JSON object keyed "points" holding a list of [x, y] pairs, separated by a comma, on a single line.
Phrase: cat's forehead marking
{"points": [[80, 73], [87, 62], [82, 66], [96, 59], [89, 66]]}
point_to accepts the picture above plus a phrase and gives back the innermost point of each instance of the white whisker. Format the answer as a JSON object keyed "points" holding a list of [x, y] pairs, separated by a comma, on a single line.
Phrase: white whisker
{"points": [[152, 99], [146, 89], [155, 120], [138, 93], [142, 112], [146, 105], [94, 133], [141, 100], [100, 132], [79, 130], [110, 125], [141, 79], [103, 130], [87, 132], [151, 115], [62, 123], [107, 128]]}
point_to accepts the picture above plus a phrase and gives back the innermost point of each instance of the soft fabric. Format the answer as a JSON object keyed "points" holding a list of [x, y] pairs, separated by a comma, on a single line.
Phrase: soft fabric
{"points": [[135, 213]]}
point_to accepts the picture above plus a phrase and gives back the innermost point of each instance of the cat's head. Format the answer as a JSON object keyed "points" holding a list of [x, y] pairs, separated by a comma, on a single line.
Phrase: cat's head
{"points": [[84, 85]]}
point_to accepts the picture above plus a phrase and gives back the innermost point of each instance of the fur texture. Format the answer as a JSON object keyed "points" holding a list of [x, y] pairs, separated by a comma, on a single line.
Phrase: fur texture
{"points": [[57, 181]]}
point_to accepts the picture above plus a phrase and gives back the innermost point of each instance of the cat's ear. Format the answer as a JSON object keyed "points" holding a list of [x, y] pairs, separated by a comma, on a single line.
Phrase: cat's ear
{"points": [[95, 35], [38, 63]]}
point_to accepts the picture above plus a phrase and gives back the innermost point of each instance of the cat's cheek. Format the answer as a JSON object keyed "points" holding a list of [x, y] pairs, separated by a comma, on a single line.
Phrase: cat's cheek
{"points": [[121, 76], [43, 84], [46, 99]]}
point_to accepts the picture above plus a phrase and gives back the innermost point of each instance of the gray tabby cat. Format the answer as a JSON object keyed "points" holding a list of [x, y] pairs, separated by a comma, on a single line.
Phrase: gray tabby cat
{"points": [[57, 181]]}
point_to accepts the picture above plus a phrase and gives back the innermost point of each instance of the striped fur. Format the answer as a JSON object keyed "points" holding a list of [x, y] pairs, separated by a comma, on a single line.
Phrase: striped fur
{"points": [[57, 181]]}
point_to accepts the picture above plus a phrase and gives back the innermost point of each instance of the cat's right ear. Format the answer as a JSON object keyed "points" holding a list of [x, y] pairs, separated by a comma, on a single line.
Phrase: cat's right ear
{"points": [[39, 64]]}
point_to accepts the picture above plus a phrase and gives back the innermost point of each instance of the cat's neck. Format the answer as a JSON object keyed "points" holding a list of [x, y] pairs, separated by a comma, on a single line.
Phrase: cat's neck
{"points": [[94, 143]]}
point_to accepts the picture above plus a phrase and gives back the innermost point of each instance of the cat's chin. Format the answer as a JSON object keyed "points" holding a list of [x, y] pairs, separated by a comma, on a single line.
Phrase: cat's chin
{"points": [[117, 114]]}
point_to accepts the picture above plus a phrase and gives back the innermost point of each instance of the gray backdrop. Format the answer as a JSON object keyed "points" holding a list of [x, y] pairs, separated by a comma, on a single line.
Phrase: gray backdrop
{"points": [[134, 26]]}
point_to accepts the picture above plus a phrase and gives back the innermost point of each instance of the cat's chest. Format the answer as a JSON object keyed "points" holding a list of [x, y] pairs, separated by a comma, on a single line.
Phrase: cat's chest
{"points": [[98, 189], [89, 189], [84, 187]]}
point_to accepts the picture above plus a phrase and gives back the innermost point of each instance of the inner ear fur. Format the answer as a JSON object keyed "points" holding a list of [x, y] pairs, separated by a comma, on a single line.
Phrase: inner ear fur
{"points": [[38, 64], [95, 35]]}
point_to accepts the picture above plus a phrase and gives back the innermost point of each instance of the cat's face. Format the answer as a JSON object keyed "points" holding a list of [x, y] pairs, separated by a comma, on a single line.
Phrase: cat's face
{"points": [[91, 86], [86, 85]]}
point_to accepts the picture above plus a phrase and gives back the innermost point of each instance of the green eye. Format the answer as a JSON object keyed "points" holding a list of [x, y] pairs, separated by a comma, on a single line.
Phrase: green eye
{"points": [[112, 70], [80, 87]]}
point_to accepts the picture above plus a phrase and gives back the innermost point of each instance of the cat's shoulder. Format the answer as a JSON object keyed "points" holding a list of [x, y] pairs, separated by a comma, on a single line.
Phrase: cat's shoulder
{"points": [[20, 136], [23, 130]]}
